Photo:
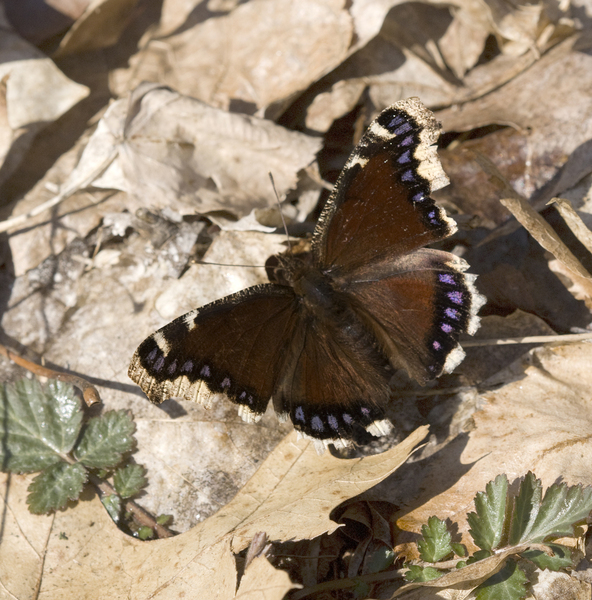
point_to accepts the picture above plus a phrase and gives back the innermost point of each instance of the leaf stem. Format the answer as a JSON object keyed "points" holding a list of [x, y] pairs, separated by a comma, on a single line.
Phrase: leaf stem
{"points": [[141, 516]]}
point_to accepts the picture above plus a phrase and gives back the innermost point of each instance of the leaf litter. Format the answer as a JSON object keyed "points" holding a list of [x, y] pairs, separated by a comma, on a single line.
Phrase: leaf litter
{"points": [[111, 260]]}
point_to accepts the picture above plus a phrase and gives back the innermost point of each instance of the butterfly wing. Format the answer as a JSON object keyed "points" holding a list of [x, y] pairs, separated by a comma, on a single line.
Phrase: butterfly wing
{"points": [[329, 384], [370, 240], [380, 205], [233, 346], [417, 306]]}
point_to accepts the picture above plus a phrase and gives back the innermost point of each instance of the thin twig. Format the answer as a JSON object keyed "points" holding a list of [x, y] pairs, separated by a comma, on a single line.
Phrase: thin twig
{"points": [[89, 392], [533, 339], [69, 191]]}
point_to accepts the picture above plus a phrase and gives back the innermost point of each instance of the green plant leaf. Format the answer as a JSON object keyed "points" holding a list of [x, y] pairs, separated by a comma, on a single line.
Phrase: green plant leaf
{"points": [[54, 486], [561, 559], [164, 520], [37, 424], [487, 524], [418, 574], [112, 504], [561, 508], [526, 508], [506, 584], [459, 549], [479, 555], [435, 544], [105, 439], [145, 533], [380, 559], [130, 480]]}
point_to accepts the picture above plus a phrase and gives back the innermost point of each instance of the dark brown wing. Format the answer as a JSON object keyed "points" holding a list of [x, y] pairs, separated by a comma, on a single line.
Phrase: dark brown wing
{"points": [[234, 346], [417, 306], [380, 205], [335, 377]]}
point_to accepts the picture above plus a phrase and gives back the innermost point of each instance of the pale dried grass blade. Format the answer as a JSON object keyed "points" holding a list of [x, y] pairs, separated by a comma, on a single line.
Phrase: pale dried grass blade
{"points": [[532, 221], [573, 221]]}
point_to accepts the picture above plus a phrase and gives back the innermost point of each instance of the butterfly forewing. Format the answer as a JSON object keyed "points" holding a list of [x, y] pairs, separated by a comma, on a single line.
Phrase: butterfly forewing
{"points": [[381, 204], [233, 346]]}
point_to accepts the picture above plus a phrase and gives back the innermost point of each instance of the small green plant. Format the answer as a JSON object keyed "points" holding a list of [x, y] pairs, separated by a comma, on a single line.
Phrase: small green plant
{"points": [[42, 429], [506, 527]]}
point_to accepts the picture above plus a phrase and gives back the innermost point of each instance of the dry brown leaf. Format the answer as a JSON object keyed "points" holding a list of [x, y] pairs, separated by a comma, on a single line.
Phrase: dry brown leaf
{"points": [[262, 53], [484, 362], [557, 586], [554, 133], [464, 40], [261, 581], [540, 422], [289, 497], [100, 26], [37, 92], [24, 539], [177, 152]]}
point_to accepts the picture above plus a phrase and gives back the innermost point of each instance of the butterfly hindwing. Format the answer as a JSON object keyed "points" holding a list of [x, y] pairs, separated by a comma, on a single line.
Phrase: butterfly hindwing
{"points": [[418, 306], [329, 384]]}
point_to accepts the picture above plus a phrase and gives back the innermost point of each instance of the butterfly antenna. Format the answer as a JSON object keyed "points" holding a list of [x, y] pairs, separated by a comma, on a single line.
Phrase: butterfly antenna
{"points": [[280, 209]]}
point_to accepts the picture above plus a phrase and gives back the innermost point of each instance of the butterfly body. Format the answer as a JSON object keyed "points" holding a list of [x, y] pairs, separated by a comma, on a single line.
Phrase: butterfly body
{"points": [[324, 336]]}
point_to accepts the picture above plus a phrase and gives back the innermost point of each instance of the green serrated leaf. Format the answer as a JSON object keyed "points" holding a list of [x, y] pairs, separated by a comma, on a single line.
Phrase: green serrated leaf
{"points": [[561, 508], [106, 439], [112, 503], [561, 559], [479, 555], [54, 486], [487, 524], [145, 533], [164, 520], [507, 584], [418, 574], [459, 549], [379, 559], [435, 544], [130, 480], [526, 508], [37, 424]]}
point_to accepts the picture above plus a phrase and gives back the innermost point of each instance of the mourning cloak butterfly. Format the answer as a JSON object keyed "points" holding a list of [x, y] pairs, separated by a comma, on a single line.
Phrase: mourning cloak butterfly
{"points": [[323, 337]]}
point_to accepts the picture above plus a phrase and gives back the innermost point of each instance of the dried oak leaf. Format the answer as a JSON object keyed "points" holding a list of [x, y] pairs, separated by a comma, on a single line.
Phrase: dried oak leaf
{"points": [[174, 151], [540, 423], [290, 496]]}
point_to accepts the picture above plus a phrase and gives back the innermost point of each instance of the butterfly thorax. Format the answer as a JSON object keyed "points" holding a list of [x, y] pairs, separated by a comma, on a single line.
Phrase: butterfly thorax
{"points": [[312, 286]]}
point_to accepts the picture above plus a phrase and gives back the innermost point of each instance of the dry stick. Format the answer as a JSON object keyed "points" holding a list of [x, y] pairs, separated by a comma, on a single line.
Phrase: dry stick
{"points": [[71, 189], [532, 339], [89, 392]]}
